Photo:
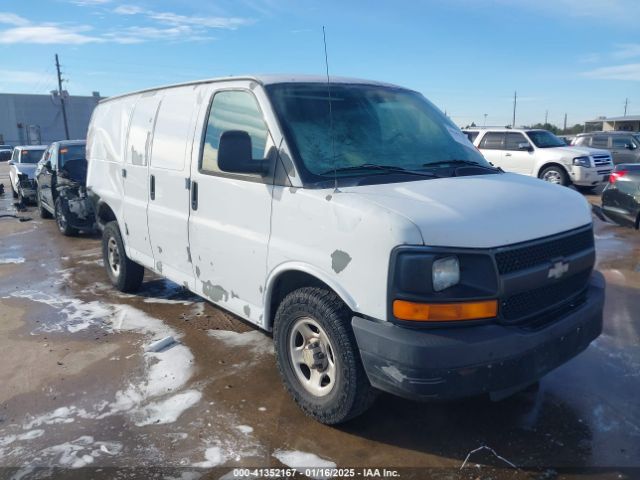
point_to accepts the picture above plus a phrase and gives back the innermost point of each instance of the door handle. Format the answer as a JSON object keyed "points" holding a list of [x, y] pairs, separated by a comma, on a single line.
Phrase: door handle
{"points": [[124, 173], [194, 195], [152, 187], [507, 154]]}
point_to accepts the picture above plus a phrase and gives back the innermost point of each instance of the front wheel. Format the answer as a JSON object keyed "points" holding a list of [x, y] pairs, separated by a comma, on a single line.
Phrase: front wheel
{"points": [[125, 274], [318, 357], [555, 174], [62, 219]]}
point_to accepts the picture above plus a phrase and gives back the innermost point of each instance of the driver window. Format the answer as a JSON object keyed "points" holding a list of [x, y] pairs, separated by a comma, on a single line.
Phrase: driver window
{"points": [[513, 140], [233, 110]]}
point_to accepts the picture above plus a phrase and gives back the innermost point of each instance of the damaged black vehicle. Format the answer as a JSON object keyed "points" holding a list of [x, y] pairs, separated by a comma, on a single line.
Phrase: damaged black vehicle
{"points": [[61, 179]]}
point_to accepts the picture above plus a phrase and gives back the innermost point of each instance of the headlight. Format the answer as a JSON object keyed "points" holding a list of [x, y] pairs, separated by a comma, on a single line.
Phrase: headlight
{"points": [[445, 273], [582, 161]]}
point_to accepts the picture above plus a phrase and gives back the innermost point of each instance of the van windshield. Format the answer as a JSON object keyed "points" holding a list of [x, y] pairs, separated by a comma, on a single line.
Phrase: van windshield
{"points": [[368, 125]]}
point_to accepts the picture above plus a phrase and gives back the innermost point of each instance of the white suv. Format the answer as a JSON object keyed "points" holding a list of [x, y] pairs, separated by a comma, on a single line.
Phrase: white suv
{"points": [[541, 154]]}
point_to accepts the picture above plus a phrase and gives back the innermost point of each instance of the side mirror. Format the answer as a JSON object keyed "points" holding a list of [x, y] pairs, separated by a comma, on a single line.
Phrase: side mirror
{"points": [[630, 146], [234, 154], [11, 162], [525, 146], [47, 165]]}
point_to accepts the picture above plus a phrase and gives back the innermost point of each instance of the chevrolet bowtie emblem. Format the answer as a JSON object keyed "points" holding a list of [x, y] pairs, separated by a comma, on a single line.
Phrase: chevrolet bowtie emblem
{"points": [[558, 270]]}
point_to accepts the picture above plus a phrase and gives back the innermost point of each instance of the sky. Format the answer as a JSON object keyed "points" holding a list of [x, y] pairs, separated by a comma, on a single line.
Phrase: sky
{"points": [[579, 57]]}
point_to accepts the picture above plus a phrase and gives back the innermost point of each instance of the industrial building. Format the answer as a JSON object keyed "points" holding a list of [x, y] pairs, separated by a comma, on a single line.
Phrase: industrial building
{"points": [[629, 123], [27, 119]]}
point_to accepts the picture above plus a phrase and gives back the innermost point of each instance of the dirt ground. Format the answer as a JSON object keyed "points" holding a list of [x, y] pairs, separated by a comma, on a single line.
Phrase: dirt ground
{"points": [[79, 392]]}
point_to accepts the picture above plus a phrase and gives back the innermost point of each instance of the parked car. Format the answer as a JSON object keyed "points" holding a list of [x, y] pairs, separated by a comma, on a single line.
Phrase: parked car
{"points": [[623, 146], [22, 171], [384, 253], [62, 177], [541, 154], [6, 147], [621, 196], [5, 155]]}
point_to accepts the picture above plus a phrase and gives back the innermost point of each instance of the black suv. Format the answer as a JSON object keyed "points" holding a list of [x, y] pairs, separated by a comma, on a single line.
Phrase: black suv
{"points": [[624, 146], [621, 197], [61, 177]]}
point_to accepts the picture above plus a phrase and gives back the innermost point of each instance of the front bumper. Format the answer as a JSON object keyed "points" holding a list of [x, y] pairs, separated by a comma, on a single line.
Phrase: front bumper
{"points": [[590, 176], [455, 362]]}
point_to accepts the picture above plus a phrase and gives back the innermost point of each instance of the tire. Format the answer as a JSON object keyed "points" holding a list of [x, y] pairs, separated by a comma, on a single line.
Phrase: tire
{"points": [[555, 174], [125, 274], [44, 213], [323, 315], [62, 219], [13, 190]]}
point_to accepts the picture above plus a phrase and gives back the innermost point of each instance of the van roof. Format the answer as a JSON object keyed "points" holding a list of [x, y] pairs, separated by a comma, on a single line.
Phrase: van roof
{"points": [[263, 80]]}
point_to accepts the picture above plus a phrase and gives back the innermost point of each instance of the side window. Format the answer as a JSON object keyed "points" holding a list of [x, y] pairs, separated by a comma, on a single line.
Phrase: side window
{"points": [[233, 110], [513, 140], [582, 141], [600, 141], [493, 141], [620, 142]]}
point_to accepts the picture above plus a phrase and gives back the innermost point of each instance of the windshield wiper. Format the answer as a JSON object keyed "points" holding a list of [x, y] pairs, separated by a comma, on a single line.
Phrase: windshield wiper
{"points": [[384, 168], [454, 162]]}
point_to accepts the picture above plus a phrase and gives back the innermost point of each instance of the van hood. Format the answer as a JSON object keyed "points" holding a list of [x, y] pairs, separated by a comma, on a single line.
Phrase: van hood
{"points": [[482, 211], [575, 151], [27, 168]]}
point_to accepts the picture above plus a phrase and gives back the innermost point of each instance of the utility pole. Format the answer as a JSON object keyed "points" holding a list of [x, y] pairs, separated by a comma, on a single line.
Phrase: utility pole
{"points": [[485, 120], [626, 104], [64, 109], [515, 101], [565, 124], [546, 116]]}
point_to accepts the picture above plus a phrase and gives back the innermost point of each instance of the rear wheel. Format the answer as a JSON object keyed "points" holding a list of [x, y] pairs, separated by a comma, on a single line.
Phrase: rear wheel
{"points": [[125, 274], [555, 174], [318, 357], [62, 219]]}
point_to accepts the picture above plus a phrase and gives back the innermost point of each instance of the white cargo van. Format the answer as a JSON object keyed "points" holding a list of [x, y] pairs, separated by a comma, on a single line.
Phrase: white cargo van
{"points": [[355, 222]]}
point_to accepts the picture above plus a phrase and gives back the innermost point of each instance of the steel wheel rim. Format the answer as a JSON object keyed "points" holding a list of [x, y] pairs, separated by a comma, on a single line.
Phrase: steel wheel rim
{"points": [[552, 177], [113, 256], [319, 380]]}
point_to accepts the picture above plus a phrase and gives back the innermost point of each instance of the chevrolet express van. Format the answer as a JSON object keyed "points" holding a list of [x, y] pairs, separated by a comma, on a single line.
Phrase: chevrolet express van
{"points": [[356, 223]]}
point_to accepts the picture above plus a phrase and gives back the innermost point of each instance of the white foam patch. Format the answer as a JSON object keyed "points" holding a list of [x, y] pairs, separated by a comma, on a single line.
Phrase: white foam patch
{"points": [[9, 439], [168, 410], [300, 460], [155, 398], [257, 342], [4, 261], [76, 314], [246, 429], [80, 452], [213, 457]]}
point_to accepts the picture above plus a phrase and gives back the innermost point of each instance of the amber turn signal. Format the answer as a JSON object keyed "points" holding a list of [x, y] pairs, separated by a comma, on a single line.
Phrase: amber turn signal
{"points": [[444, 312]]}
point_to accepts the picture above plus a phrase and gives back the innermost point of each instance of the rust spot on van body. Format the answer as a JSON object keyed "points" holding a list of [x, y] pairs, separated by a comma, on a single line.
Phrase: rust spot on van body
{"points": [[340, 260], [214, 292]]}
